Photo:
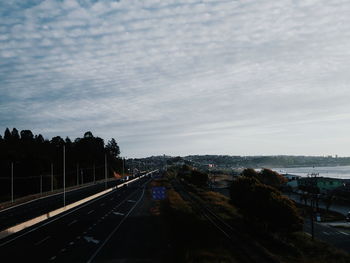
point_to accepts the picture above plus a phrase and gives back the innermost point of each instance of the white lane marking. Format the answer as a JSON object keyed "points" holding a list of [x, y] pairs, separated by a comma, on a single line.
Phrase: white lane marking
{"points": [[63, 249], [90, 212], [53, 258], [91, 239], [41, 241], [326, 233], [344, 233], [71, 243], [70, 212], [131, 201], [115, 229], [73, 222], [52, 195], [118, 214]]}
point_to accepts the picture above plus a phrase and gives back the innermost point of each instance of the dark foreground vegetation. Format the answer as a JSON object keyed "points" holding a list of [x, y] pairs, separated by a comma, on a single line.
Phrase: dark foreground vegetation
{"points": [[268, 225], [38, 162]]}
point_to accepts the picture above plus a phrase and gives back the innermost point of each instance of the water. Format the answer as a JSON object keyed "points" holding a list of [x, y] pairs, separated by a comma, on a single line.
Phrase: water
{"points": [[342, 172]]}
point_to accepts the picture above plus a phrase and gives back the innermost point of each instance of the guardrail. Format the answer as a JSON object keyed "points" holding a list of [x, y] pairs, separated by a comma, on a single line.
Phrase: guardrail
{"points": [[36, 220]]}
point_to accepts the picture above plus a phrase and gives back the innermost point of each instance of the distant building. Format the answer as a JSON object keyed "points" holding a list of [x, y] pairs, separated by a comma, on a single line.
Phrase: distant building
{"points": [[292, 180], [324, 184], [291, 177]]}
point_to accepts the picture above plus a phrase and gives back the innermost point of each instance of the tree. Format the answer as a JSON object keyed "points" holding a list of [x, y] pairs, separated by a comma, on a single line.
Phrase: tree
{"points": [[7, 135], [250, 172], [88, 134], [264, 205], [272, 178], [27, 135], [113, 148], [68, 141], [39, 139], [15, 134], [57, 141]]}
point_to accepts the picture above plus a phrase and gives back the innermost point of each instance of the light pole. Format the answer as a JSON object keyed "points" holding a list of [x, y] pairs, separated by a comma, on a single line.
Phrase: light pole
{"points": [[77, 173], [105, 171], [94, 173], [123, 160], [64, 175], [51, 177], [41, 184], [11, 182]]}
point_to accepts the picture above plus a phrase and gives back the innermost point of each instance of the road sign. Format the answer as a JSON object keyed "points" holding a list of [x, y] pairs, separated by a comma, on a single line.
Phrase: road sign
{"points": [[158, 193]]}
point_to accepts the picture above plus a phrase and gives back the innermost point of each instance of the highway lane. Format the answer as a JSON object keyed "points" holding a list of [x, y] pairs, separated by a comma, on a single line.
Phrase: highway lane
{"points": [[339, 238], [143, 237], [74, 235], [18, 214]]}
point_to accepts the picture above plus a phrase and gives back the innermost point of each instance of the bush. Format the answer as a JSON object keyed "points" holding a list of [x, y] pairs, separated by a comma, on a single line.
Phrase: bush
{"points": [[193, 176], [265, 205]]}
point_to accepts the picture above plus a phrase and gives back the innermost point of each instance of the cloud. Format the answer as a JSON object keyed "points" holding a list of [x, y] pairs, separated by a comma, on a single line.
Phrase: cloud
{"points": [[179, 77]]}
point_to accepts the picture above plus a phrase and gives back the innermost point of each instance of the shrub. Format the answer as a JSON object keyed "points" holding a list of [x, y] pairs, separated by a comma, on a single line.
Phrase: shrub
{"points": [[265, 205]]}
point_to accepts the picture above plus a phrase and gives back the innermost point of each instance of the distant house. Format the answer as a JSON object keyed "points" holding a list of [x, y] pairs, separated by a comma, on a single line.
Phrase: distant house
{"points": [[292, 180], [291, 177], [324, 184]]}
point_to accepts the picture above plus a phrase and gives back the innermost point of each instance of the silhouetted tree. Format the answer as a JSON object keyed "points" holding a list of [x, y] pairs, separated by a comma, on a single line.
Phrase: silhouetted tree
{"points": [[88, 134], [7, 135], [27, 135], [265, 205], [249, 172], [39, 139], [33, 156], [272, 178], [113, 148], [15, 134], [57, 141]]}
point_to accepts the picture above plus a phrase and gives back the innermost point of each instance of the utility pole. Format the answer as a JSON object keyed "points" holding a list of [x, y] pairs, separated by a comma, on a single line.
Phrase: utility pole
{"points": [[77, 173], [41, 184], [94, 172], [64, 175], [105, 171], [11, 182], [313, 189], [123, 159], [51, 177]]}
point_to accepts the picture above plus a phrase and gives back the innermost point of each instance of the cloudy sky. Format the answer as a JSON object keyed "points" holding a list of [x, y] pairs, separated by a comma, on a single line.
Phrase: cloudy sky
{"points": [[239, 77]]}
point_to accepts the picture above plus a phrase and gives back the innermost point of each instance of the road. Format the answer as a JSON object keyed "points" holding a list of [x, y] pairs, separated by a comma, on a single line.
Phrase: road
{"points": [[338, 237], [342, 209], [85, 234], [18, 214]]}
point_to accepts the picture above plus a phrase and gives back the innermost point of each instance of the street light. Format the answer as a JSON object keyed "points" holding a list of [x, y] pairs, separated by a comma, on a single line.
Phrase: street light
{"points": [[11, 182], [105, 171], [64, 175]]}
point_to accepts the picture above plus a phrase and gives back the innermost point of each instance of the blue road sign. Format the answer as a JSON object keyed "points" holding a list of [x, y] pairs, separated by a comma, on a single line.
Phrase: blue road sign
{"points": [[158, 193]]}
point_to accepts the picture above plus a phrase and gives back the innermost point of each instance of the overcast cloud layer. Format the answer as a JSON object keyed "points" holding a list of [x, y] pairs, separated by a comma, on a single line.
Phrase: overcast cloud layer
{"points": [[180, 77]]}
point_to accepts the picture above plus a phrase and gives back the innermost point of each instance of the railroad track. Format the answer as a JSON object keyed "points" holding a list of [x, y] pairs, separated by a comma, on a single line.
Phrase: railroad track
{"points": [[247, 250]]}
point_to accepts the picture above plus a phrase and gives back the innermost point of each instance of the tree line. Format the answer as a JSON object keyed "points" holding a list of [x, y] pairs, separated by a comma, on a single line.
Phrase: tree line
{"points": [[37, 163]]}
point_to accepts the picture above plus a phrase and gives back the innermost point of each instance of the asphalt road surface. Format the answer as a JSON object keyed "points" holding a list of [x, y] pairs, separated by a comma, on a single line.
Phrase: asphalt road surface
{"points": [[18, 214], [338, 237], [87, 233]]}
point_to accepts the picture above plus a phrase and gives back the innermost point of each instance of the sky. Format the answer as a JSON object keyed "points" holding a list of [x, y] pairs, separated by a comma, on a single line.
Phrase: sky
{"points": [[236, 77]]}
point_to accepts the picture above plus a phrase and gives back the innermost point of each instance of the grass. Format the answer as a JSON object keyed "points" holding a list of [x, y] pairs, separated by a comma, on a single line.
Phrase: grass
{"points": [[192, 238], [326, 216], [195, 241]]}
